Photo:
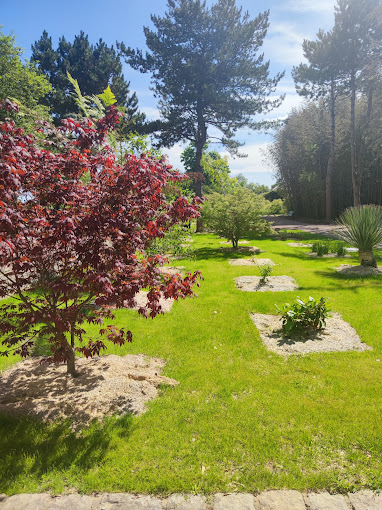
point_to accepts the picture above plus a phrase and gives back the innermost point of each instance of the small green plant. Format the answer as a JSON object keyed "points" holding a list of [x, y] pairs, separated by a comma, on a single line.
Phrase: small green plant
{"points": [[265, 271], [304, 316], [339, 249], [321, 248]]}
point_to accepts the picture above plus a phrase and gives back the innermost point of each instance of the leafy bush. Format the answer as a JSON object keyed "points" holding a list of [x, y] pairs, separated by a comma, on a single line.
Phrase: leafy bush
{"points": [[362, 227], [233, 215], [174, 242], [304, 316], [321, 248], [265, 271], [276, 207], [339, 249]]}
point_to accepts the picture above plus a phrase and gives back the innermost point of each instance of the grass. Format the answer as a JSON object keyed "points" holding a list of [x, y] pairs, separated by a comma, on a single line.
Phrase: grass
{"points": [[242, 418]]}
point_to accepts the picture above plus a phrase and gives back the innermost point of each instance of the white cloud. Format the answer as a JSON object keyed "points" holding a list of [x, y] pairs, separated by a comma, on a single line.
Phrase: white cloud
{"points": [[321, 6], [283, 44], [255, 162], [151, 112], [174, 154]]}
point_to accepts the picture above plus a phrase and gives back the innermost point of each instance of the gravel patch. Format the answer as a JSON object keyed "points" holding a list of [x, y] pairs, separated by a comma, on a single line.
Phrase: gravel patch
{"points": [[229, 242], [141, 300], [172, 270], [358, 270], [337, 336], [272, 284], [264, 262], [300, 245], [329, 256], [241, 262], [242, 249], [106, 385]]}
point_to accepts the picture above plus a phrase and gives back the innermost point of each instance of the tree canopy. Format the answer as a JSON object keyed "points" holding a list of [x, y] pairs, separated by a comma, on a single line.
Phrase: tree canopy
{"points": [[94, 66], [75, 227], [207, 72]]}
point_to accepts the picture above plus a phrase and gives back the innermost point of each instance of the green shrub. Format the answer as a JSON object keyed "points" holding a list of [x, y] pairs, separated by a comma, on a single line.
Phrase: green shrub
{"points": [[339, 249], [321, 248], [304, 316], [265, 271]]}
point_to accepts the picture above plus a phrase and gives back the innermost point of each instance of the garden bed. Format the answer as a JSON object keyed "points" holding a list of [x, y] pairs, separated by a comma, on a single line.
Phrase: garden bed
{"points": [[272, 284], [251, 262], [337, 336], [105, 386], [359, 270]]}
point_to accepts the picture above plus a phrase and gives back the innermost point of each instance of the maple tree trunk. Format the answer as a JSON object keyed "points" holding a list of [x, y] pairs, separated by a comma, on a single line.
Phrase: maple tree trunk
{"points": [[71, 362]]}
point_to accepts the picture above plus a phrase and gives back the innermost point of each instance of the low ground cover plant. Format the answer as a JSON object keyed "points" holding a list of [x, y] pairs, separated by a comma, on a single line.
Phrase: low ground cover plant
{"points": [[325, 247], [304, 316]]}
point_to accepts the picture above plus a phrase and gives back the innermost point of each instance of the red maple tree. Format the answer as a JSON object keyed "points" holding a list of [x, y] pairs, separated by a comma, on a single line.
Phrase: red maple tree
{"points": [[74, 227]]}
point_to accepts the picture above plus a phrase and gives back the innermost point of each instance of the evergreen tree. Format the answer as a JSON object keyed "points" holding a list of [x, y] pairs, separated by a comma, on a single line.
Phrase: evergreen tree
{"points": [[207, 72], [322, 77], [93, 66]]}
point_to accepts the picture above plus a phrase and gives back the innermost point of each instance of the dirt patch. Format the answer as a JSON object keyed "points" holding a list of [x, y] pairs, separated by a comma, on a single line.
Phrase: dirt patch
{"points": [[106, 385], [299, 245], [328, 256], [141, 300], [272, 284], [172, 270], [229, 242], [358, 270], [264, 262], [337, 336], [242, 249], [241, 262]]}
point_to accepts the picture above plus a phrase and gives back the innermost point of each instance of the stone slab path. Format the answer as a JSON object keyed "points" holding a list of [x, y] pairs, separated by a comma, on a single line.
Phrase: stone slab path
{"points": [[269, 500]]}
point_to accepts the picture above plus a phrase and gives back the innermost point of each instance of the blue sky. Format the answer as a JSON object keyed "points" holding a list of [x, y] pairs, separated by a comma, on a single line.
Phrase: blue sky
{"points": [[290, 22]]}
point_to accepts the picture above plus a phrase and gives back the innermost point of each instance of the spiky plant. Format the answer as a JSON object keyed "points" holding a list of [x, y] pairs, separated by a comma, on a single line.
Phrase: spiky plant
{"points": [[362, 227]]}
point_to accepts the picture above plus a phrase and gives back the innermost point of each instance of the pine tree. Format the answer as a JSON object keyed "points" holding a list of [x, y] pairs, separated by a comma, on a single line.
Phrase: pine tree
{"points": [[207, 72]]}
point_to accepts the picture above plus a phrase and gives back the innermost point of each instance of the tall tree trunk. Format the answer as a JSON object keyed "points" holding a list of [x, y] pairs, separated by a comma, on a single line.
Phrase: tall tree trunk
{"points": [[199, 146], [329, 169], [354, 168]]}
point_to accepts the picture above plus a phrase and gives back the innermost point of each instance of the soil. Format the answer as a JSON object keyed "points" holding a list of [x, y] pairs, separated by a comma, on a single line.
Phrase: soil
{"points": [[347, 269], [300, 245], [338, 335], [106, 385], [329, 256], [141, 300], [272, 284], [242, 249], [229, 242]]}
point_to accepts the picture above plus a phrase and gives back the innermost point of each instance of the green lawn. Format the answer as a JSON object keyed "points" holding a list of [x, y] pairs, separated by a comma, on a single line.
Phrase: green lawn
{"points": [[242, 418]]}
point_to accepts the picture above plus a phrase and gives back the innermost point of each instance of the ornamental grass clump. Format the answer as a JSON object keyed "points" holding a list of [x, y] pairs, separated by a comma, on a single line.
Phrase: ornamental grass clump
{"points": [[304, 317], [362, 227]]}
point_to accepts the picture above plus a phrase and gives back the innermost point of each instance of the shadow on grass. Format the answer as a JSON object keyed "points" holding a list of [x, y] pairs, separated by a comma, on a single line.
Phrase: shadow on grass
{"points": [[223, 254], [346, 278], [30, 447]]}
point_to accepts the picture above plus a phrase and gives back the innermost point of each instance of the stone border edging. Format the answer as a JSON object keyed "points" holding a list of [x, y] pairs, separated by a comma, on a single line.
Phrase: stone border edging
{"points": [[269, 500]]}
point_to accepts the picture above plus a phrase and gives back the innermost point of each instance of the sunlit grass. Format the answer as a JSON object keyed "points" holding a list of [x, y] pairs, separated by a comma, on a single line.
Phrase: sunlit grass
{"points": [[242, 418]]}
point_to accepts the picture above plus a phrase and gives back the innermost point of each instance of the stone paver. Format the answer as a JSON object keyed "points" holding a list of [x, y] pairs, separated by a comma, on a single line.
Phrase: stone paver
{"points": [[326, 501], [27, 502], [234, 502], [75, 502], [366, 500], [281, 500], [179, 502], [129, 502]]}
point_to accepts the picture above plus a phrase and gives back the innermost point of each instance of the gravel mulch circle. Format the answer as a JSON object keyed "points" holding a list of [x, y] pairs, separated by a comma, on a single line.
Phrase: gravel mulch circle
{"points": [[329, 256], [242, 249], [264, 262], [241, 262], [106, 385], [229, 242], [358, 270], [141, 300], [272, 284], [337, 336], [172, 270], [300, 245]]}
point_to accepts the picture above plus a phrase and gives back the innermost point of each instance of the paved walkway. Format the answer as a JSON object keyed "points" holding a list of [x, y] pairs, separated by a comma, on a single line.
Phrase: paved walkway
{"points": [[284, 222], [270, 500]]}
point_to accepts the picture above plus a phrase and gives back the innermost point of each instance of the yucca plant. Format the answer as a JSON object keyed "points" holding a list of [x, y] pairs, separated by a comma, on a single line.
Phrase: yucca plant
{"points": [[362, 227]]}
